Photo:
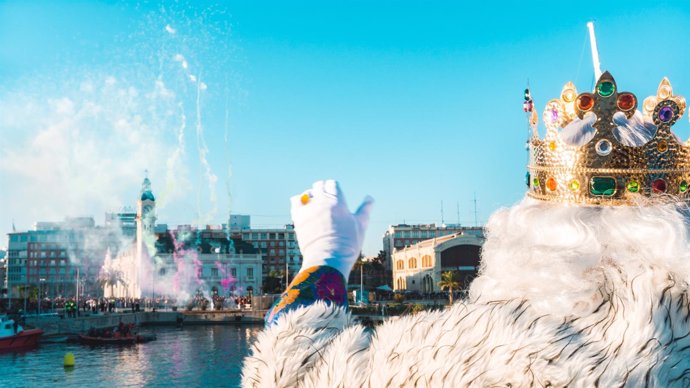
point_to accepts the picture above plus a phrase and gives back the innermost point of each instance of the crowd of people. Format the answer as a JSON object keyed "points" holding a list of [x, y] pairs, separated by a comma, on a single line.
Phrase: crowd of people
{"points": [[72, 308]]}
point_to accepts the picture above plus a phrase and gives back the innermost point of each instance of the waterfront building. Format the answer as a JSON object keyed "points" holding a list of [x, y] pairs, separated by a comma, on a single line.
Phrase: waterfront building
{"points": [[125, 220], [207, 257], [277, 246], [403, 235], [3, 273], [418, 267], [182, 261], [50, 257]]}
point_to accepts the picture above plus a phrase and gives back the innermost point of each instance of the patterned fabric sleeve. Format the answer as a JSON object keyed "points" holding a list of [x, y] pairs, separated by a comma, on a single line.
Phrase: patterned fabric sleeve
{"points": [[310, 285]]}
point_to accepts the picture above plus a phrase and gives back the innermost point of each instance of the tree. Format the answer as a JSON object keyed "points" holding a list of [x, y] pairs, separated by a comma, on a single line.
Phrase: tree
{"points": [[273, 282], [449, 281], [111, 277], [380, 259]]}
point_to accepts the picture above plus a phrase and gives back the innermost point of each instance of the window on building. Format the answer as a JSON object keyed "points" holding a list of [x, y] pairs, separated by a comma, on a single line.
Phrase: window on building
{"points": [[412, 262], [426, 261], [250, 273], [214, 272], [233, 272], [400, 264]]}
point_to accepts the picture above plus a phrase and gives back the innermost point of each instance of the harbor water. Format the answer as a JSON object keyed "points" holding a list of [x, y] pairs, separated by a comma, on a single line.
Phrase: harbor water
{"points": [[193, 356]]}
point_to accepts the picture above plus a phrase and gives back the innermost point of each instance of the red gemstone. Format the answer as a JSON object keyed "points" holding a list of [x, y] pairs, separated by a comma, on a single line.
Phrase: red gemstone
{"points": [[626, 101], [585, 102], [659, 186]]}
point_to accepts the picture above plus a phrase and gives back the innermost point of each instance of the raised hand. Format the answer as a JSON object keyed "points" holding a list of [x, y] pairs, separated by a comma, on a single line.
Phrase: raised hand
{"points": [[328, 234]]}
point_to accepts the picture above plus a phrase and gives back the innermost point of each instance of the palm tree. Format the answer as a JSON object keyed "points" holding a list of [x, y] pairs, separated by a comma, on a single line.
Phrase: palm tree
{"points": [[111, 277], [448, 281]]}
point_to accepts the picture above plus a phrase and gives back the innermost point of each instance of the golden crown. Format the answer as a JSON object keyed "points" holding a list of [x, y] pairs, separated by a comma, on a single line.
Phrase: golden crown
{"points": [[603, 171]]}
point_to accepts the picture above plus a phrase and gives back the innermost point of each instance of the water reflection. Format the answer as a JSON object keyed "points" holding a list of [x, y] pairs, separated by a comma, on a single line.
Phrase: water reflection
{"points": [[193, 356]]}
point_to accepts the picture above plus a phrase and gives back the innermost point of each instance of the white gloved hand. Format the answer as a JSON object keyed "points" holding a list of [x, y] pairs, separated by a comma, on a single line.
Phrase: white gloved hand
{"points": [[327, 233]]}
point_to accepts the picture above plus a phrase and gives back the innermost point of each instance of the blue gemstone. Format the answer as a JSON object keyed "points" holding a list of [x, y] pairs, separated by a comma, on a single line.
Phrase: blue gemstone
{"points": [[666, 114]]}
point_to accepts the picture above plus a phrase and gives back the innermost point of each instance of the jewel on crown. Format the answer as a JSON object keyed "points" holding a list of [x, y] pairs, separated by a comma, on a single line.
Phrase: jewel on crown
{"points": [[604, 171]]}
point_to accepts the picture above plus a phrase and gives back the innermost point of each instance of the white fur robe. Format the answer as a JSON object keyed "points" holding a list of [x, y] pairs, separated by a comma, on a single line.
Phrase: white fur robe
{"points": [[610, 308]]}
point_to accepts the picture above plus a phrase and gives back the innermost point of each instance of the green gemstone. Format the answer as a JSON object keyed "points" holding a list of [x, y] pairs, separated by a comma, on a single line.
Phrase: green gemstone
{"points": [[683, 186], [604, 186], [633, 186], [535, 182], [606, 88]]}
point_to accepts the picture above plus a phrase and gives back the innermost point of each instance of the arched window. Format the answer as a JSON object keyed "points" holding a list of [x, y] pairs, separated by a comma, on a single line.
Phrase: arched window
{"points": [[400, 264], [427, 284], [426, 261], [412, 263], [401, 284]]}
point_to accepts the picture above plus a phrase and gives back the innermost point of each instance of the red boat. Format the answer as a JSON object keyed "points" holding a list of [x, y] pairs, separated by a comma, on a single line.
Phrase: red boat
{"points": [[14, 337]]}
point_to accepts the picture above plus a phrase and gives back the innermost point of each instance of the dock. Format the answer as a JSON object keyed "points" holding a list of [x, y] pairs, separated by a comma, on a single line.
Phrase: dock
{"points": [[58, 325]]}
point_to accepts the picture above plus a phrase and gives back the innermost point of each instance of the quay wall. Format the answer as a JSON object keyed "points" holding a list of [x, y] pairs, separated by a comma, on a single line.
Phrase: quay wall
{"points": [[53, 326]]}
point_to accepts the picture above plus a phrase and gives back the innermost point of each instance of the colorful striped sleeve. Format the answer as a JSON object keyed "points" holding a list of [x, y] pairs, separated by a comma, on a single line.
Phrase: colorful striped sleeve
{"points": [[319, 283]]}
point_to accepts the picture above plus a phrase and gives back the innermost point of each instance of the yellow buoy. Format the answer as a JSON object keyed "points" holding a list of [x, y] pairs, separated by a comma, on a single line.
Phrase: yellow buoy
{"points": [[69, 360]]}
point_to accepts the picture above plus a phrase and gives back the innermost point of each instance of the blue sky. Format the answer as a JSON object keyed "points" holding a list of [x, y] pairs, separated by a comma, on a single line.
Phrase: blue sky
{"points": [[414, 103]]}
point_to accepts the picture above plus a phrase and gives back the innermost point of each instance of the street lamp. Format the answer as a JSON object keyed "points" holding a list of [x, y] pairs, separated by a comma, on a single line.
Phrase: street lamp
{"points": [[40, 293], [153, 285]]}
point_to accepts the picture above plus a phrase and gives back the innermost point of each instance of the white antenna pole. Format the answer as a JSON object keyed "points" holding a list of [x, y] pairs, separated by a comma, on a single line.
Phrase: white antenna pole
{"points": [[442, 220], [476, 223], [458, 208], [595, 51]]}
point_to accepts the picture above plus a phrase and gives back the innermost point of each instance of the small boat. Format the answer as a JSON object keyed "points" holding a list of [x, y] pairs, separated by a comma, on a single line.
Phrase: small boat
{"points": [[14, 337], [124, 340], [88, 340]]}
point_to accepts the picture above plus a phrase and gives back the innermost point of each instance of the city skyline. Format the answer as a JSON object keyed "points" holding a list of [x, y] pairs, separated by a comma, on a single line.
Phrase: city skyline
{"points": [[233, 108]]}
